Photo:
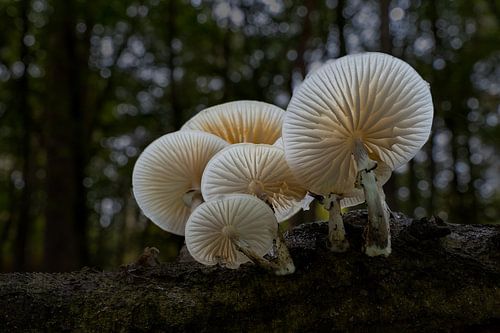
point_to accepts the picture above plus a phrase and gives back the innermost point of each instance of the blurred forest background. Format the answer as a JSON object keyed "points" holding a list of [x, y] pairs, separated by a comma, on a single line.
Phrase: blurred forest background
{"points": [[86, 85]]}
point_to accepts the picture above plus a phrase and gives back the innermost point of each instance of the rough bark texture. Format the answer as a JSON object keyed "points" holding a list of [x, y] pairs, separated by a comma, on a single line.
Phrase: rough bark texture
{"points": [[440, 278]]}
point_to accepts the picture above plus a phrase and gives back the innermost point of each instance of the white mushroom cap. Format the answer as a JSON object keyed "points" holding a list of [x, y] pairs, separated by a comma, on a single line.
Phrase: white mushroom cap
{"points": [[257, 169], [372, 97], [213, 228], [168, 168], [383, 173], [240, 121], [279, 143]]}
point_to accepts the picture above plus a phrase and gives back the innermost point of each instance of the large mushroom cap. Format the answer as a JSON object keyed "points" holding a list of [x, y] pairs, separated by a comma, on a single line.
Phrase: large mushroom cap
{"points": [[356, 196], [168, 168], [214, 226], [240, 121], [372, 97], [257, 169]]}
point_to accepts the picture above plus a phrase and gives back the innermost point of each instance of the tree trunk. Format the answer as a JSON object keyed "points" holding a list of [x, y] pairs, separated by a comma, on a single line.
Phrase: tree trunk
{"points": [[174, 101], [385, 33], [64, 147], [301, 62], [440, 278], [24, 223], [341, 24]]}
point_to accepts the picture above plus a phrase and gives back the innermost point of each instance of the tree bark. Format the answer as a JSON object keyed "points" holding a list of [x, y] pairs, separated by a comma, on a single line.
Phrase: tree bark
{"points": [[64, 213], [341, 22], [22, 91], [385, 33], [301, 61], [174, 102], [440, 278]]}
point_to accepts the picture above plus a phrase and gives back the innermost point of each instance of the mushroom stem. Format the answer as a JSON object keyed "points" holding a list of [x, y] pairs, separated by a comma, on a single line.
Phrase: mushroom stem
{"points": [[193, 199], [336, 230], [377, 233], [255, 258], [285, 261], [282, 266]]}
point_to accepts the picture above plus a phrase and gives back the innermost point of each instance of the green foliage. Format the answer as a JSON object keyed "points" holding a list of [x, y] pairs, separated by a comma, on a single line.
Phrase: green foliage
{"points": [[145, 67]]}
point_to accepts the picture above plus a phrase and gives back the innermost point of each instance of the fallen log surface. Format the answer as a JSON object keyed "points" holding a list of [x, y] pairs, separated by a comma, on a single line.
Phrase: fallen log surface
{"points": [[440, 278]]}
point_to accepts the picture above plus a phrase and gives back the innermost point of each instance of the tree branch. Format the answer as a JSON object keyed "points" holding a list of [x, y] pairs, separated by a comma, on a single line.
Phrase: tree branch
{"points": [[440, 277]]}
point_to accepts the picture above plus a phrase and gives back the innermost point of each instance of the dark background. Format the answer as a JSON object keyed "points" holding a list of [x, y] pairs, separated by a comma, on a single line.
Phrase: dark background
{"points": [[86, 85]]}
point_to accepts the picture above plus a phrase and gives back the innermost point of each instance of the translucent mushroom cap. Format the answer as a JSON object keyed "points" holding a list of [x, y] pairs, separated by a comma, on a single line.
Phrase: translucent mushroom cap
{"points": [[372, 97], [257, 169], [240, 121], [168, 168], [213, 227], [356, 196]]}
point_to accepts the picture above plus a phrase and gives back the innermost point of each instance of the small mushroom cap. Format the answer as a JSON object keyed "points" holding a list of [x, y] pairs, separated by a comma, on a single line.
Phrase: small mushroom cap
{"points": [[168, 168], [240, 121], [372, 97], [257, 169], [214, 226]]}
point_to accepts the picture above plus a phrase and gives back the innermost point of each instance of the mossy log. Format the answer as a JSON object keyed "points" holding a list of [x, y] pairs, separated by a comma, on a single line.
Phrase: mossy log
{"points": [[439, 278]]}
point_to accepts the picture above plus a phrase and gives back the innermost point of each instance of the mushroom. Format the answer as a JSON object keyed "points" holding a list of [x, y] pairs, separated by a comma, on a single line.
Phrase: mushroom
{"points": [[309, 198], [335, 202], [166, 177], [348, 119], [257, 169], [240, 121], [234, 229]]}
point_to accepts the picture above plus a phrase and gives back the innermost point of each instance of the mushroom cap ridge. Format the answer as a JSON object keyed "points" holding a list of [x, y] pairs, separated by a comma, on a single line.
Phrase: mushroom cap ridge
{"points": [[169, 167], [211, 226], [382, 173], [372, 97], [240, 121], [257, 169]]}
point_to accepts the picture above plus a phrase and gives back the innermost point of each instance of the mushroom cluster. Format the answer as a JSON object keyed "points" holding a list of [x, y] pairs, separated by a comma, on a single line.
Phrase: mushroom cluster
{"points": [[235, 170], [221, 183], [346, 128]]}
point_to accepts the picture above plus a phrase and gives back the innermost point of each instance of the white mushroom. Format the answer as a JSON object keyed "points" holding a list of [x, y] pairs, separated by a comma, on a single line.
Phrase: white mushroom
{"points": [[347, 117], [166, 177], [234, 229], [308, 199], [240, 121], [257, 169], [334, 202]]}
